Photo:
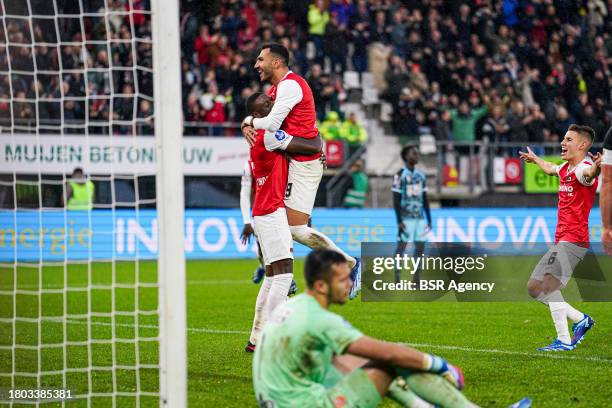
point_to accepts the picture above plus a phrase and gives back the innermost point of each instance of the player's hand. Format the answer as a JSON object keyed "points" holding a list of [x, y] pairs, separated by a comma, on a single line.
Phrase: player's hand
{"points": [[248, 131], [454, 375], [250, 134], [606, 239], [401, 227], [529, 156], [596, 158], [247, 231]]}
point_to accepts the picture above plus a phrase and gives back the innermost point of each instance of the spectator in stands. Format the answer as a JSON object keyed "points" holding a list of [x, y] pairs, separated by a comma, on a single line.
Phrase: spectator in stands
{"points": [[360, 37], [464, 121], [318, 17], [561, 123], [441, 128], [358, 189], [145, 116], [407, 114], [495, 127], [331, 127], [213, 104], [397, 32], [518, 119], [79, 192], [335, 46], [353, 132], [343, 10]]}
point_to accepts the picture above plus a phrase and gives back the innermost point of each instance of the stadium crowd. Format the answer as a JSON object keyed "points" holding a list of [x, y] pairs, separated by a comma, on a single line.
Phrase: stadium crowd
{"points": [[509, 70], [518, 71]]}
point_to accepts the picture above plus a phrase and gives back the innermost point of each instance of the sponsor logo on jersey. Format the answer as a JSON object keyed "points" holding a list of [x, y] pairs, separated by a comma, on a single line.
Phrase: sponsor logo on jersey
{"points": [[280, 135], [566, 189], [261, 180]]}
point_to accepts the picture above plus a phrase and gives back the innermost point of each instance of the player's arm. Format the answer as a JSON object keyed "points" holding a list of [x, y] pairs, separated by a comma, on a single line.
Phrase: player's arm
{"points": [[288, 94], [396, 188], [590, 173], [400, 356], [547, 167], [305, 146], [246, 183], [426, 208], [281, 140], [605, 194]]}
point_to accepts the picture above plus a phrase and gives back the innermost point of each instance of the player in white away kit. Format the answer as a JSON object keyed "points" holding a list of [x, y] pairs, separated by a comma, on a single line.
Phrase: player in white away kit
{"points": [[577, 187], [605, 194], [294, 113]]}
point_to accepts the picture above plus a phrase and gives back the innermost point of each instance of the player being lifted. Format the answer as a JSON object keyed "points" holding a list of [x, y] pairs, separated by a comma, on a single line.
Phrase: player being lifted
{"points": [[311, 357], [605, 194], [577, 186], [409, 202], [294, 113], [247, 189], [269, 166]]}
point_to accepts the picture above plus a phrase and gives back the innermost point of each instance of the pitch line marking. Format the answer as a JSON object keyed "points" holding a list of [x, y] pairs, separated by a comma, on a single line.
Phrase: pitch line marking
{"points": [[436, 346], [85, 286]]}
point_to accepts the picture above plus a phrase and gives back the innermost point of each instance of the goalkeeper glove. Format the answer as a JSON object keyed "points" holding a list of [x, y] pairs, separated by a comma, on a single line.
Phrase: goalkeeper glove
{"points": [[449, 372]]}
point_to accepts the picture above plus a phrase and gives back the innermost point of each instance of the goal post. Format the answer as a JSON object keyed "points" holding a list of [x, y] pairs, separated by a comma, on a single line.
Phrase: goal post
{"points": [[92, 262], [170, 203]]}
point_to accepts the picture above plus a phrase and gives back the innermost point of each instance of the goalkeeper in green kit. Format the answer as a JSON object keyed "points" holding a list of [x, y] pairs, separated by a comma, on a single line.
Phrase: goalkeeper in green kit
{"points": [[310, 357]]}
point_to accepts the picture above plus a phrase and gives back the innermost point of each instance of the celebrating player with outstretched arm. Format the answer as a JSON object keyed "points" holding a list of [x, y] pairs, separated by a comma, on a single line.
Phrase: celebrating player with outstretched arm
{"points": [[577, 187], [294, 113]]}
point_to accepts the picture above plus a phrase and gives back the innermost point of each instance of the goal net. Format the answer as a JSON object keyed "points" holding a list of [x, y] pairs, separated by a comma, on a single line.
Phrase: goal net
{"points": [[92, 286]]}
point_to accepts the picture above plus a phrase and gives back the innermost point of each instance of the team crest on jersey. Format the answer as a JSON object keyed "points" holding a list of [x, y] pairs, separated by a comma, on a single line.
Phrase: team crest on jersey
{"points": [[280, 135]]}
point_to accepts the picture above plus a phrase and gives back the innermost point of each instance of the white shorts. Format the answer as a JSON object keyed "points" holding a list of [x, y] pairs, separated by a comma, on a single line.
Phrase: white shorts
{"points": [[302, 184], [274, 236], [560, 262]]}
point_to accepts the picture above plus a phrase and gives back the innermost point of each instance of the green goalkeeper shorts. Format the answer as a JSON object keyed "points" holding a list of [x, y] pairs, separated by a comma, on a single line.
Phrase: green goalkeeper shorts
{"points": [[354, 390]]}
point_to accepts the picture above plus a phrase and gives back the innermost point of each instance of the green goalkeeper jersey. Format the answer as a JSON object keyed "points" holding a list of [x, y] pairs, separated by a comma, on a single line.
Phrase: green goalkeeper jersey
{"points": [[293, 360]]}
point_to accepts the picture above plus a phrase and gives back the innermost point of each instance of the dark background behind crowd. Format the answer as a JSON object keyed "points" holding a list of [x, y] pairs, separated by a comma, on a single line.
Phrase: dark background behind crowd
{"points": [[508, 70]]}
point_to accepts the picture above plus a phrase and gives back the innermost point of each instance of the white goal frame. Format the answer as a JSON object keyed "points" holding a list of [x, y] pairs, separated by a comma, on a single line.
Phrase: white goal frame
{"points": [[170, 203]]}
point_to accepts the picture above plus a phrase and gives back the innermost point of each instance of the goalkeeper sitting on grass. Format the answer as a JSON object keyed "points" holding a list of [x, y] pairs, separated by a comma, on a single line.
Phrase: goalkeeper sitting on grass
{"points": [[310, 357]]}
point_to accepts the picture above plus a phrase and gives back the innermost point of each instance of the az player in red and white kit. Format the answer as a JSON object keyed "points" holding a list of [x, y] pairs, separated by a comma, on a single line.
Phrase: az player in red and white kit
{"points": [[577, 187], [269, 168], [294, 113]]}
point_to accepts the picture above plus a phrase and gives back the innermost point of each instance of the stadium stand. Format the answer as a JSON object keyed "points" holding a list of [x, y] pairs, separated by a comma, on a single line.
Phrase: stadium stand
{"points": [[432, 72], [538, 64]]}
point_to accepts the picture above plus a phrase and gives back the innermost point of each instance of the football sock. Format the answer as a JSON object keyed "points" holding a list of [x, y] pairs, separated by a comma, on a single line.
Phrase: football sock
{"points": [[278, 291], [574, 315], [554, 296], [314, 239], [259, 319], [400, 392], [559, 316], [438, 391]]}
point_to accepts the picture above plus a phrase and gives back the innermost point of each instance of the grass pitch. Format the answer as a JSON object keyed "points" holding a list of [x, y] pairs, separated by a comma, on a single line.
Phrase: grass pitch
{"points": [[493, 342]]}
